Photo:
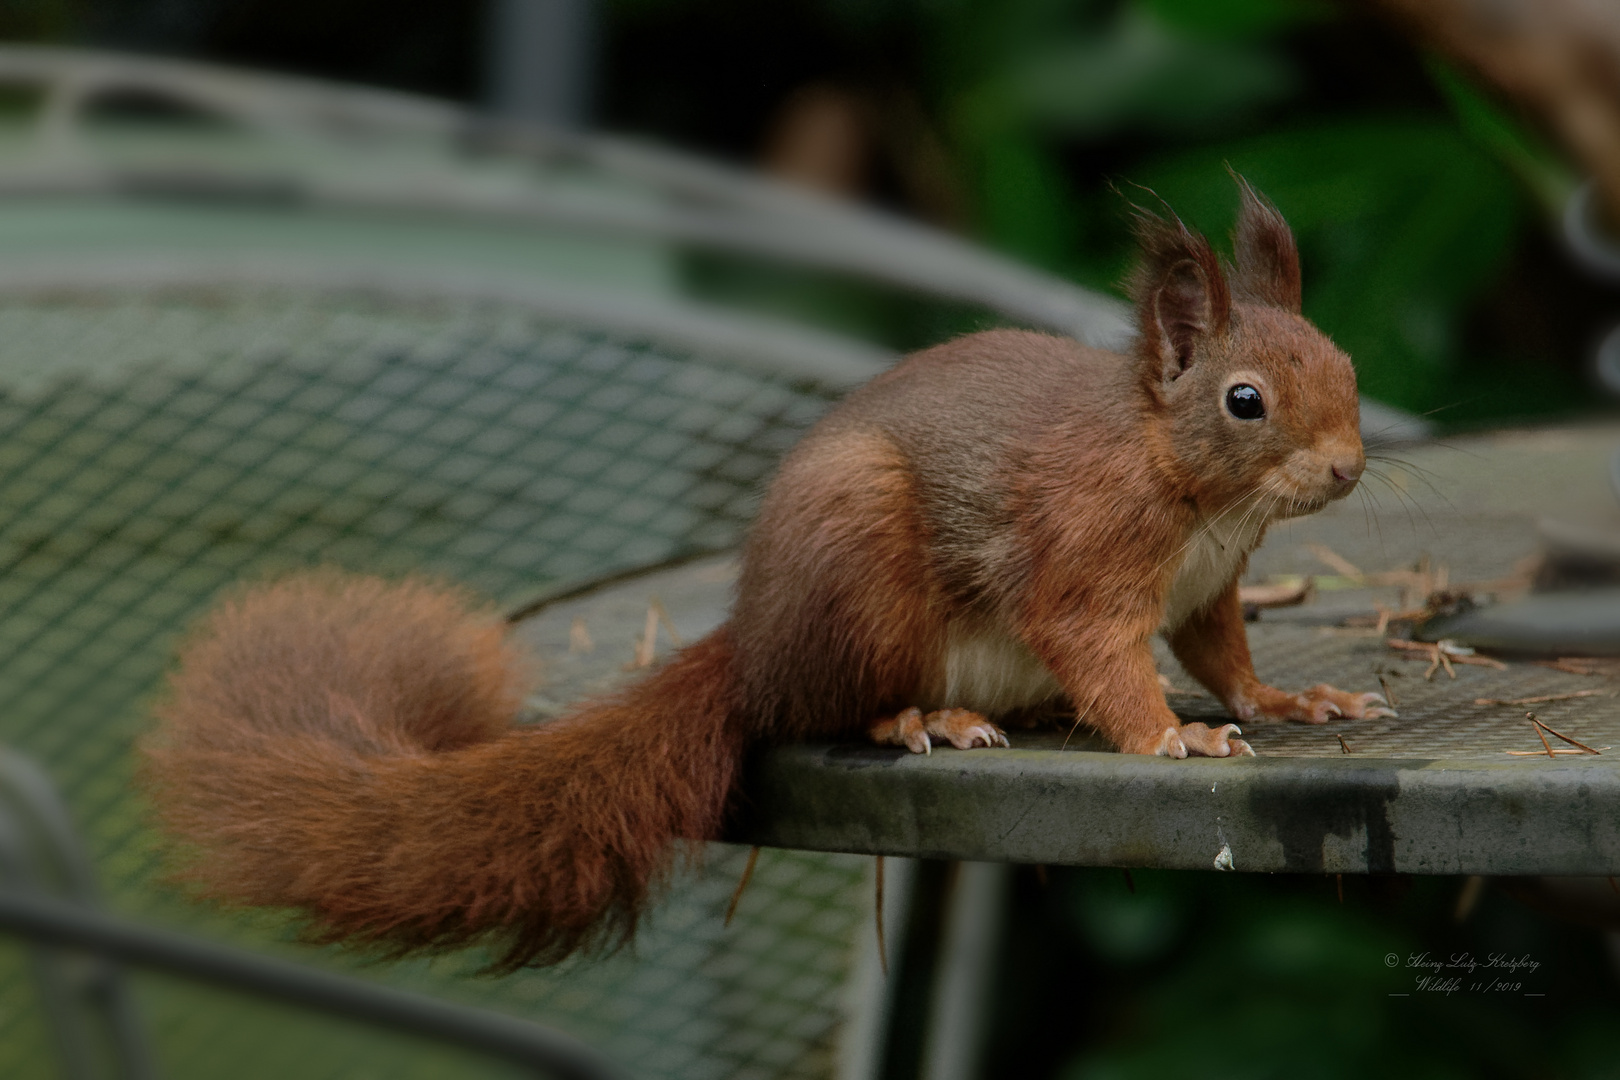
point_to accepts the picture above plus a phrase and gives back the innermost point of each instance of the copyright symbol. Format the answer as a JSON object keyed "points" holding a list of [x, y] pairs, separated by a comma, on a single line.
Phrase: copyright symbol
{"points": [[1390, 959]]}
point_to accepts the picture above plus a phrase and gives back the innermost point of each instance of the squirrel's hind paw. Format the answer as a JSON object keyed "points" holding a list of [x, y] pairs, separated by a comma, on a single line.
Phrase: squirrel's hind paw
{"points": [[962, 728]]}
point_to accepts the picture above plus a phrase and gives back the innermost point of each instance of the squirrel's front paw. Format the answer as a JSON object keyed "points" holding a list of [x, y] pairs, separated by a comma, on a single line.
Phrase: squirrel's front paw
{"points": [[962, 728], [1195, 738], [1317, 705], [1218, 742]]}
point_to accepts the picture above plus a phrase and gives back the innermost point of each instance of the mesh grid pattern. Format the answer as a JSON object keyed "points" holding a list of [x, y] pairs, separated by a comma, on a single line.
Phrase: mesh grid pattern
{"points": [[156, 447], [1438, 716]]}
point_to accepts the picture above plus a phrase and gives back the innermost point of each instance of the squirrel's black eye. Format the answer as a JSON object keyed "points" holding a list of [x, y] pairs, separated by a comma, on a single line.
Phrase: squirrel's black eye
{"points": [[1243, 401]]}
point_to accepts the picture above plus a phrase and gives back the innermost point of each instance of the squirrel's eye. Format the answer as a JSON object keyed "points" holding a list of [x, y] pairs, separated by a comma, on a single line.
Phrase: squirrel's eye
{"points": [[1243, 401]]}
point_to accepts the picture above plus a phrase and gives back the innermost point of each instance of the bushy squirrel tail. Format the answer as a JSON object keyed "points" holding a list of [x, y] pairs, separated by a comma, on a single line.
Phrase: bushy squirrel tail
{"points": [[344, 745]]}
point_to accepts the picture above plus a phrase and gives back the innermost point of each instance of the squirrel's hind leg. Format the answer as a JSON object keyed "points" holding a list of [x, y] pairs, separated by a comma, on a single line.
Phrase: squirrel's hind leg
{"points": [[962, 728]]}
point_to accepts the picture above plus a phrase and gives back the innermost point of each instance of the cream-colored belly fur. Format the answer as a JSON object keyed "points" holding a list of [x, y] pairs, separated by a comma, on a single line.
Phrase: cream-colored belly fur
{"points": [[989, 671], [1209, 564], [985, 669]]}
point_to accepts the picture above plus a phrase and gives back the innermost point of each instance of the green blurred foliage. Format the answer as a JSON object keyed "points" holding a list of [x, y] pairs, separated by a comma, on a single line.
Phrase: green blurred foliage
{"points": [[1405, 219], [1401, 223], [39, 20], [1244, 977], [1413, 193]]}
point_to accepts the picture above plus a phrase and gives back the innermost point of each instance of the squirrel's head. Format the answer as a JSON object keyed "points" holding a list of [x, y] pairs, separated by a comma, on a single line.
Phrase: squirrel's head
{"points": [[1255, 404]]}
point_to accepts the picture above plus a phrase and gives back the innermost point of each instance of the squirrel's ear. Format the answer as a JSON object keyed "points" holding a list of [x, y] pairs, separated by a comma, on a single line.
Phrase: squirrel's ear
{"points": [[1180, 293], [1267, 260]]}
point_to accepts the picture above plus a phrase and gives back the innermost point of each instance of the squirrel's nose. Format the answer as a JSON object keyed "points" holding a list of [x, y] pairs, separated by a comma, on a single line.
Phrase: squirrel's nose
{"points": [[1347, 471]]}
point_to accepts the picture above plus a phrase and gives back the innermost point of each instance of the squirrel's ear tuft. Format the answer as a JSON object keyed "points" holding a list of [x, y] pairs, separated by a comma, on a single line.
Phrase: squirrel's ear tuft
{"points": [[1179, 290], [1267, 260]]}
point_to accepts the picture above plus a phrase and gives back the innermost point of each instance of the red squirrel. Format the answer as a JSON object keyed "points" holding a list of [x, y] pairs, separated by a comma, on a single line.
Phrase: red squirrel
{"points": [[998, 522]]}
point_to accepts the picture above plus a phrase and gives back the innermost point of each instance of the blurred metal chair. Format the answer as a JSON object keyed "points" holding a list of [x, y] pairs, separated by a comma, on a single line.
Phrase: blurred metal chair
{"points": [[49, 896], [83, 996], [590, 183]]}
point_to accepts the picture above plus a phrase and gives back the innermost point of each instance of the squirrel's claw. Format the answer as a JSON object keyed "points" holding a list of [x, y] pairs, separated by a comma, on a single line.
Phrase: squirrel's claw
{"points": [[905, 729], [1196, 738], [1317, 705], [1375, 707], [1220, 742], [962, 728], [1170, 744]]}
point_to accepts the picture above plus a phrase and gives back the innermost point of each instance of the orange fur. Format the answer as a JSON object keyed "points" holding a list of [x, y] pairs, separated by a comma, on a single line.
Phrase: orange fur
{"points": [[341, 745], [842, 623], [996, 523]]}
